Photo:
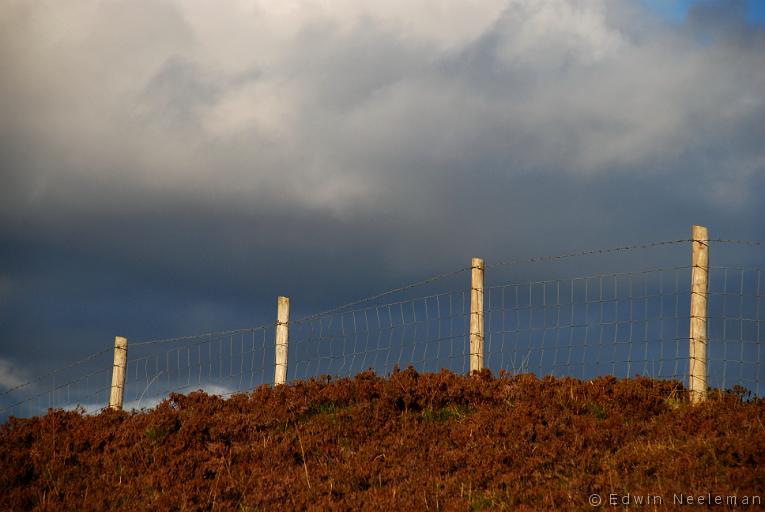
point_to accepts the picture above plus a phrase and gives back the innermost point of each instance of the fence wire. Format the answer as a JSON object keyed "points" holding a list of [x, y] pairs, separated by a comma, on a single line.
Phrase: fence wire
{"points": [[428, 332], [735, 328], [218, 363], [60, 388], [620, 324]]}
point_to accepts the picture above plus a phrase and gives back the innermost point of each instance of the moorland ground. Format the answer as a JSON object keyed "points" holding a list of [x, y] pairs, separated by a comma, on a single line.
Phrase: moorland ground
{"points": [[406, 442]]}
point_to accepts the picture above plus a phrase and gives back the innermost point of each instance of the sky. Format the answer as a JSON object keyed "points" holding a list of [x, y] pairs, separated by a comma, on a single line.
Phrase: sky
{"points": [[169, 167], [677, 10]]}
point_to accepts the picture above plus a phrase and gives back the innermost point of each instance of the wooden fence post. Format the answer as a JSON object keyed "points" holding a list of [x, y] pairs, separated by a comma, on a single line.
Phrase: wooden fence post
{"points": [[118, 373], [697, 350], [282, 340], [476, 315]]}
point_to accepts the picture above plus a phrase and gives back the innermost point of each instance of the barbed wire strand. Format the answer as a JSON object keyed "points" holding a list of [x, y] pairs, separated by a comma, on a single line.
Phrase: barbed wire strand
{"points": [[380, 295], [738, 242], [588, 253], [216, 334]]}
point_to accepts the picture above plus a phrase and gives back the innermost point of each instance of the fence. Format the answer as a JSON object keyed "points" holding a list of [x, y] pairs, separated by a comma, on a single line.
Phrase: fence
{"points": [[693, 322]]}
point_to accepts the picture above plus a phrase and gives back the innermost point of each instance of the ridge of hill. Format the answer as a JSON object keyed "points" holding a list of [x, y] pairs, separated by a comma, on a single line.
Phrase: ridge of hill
{"points": [[406, 442]]}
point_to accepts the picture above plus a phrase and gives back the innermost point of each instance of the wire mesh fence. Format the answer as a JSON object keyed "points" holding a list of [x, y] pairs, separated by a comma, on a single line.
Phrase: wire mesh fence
{"points": [[621, 324], [736, 327], [72, 384], [571, 323], [219, 363], [428, 332]]}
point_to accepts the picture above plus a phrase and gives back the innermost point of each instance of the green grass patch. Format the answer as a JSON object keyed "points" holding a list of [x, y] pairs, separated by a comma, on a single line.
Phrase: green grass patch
{"points": [[450, 412], [596, 410]]}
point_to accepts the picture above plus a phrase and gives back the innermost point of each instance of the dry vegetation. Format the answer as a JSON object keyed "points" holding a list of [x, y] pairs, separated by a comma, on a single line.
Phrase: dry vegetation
{"points": [[408, 442]]}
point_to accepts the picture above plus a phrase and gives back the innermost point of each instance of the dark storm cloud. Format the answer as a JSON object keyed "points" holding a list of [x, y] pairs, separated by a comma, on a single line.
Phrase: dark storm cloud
{"points": [[169, 167]]}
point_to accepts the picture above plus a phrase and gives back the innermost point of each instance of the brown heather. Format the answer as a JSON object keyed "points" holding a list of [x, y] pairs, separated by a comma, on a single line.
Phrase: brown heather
{"points": [[408, 442]]}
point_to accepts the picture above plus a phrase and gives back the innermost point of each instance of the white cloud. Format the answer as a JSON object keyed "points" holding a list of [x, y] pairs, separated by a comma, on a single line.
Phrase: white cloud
{"points": [[551, 35], [149, 402], [145, 402]]}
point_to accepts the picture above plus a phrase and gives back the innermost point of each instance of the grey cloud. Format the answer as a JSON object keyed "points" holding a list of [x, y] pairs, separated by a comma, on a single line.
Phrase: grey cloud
{"points": [[178, 91], [10, 375]]}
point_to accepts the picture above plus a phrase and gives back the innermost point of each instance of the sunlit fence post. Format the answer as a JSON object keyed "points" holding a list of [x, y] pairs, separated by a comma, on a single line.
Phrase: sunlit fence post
{"points": [[282, 339], [118, 373], [697, 350], [476, 315]]}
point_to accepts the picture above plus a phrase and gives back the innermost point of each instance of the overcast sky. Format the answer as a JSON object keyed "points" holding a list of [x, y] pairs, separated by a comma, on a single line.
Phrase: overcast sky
{"points": [[170, 167]]}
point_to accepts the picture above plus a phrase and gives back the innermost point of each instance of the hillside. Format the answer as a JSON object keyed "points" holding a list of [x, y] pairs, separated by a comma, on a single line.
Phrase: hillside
{"points": [[408, 442]]}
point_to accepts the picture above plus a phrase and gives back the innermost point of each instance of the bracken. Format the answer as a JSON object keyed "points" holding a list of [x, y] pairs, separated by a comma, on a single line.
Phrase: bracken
{"points": [[407, 442]]}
